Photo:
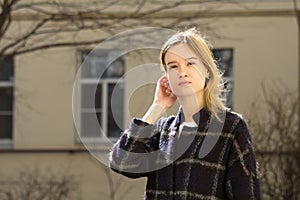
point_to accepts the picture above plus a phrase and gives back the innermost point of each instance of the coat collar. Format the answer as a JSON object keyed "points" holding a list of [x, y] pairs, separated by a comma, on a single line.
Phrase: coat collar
{"points": [[201, 118]]}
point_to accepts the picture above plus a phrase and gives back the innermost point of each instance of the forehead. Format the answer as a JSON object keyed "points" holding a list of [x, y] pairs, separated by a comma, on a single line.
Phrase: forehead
{"points": [[180, 51]]}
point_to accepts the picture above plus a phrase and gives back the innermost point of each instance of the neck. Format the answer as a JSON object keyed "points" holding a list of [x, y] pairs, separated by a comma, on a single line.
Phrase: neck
{"points": [[190, 105]]}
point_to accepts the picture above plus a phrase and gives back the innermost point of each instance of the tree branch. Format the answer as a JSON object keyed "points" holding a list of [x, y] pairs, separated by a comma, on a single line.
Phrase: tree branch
{"points": [[5, 16], [26, 36], [62, 44], [53, 19]]}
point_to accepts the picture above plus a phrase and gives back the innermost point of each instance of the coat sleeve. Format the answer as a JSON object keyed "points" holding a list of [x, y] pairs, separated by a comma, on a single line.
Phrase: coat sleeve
{"points": [[130, 155], [242, 176]]}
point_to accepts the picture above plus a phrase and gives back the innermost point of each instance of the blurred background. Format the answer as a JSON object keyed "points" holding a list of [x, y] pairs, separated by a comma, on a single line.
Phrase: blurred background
{"points": [[43, 44]]}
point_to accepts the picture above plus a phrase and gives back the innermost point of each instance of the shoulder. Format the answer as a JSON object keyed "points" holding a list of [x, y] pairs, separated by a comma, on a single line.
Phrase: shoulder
{"points": [[238, 127], [235, 122]]}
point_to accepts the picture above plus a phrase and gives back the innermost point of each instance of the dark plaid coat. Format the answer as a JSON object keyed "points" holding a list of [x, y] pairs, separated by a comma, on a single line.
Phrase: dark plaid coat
{"points": [[227, 171]]}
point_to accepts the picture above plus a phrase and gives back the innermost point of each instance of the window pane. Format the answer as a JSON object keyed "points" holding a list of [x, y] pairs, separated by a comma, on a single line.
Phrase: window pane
{"points": [[93, 67], [224, 58], [98, 66], [229, 93], [90, 128], [115, 69], [115, 109], [6, 68], [89, 97], [98, 97], [6, 98], [5, 127]]}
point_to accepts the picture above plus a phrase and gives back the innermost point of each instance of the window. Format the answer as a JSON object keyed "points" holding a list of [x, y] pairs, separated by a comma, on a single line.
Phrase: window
{"points": [[224, 59], [6, 100], [106, 106]]}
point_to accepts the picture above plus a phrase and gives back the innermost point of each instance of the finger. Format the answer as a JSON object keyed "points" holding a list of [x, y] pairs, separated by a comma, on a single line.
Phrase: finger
{"points": [[161, 82], [165, 82], [164, 78], [168, 91]]}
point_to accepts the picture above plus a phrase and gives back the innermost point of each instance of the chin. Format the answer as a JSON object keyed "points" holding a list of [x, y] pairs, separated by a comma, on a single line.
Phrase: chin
{"points": [[184, 92]]}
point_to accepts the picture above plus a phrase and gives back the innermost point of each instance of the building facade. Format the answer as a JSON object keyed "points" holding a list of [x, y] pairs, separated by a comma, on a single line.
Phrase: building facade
{"points": [[256, 42]]}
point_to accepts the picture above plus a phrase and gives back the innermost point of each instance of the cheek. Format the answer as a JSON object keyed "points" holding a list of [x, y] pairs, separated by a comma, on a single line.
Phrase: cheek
{"points": [[198, 79], [200, 72], [171, 80]]}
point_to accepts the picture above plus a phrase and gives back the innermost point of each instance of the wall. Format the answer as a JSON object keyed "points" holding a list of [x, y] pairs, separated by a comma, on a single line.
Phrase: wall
{"points": [[265, 50]]}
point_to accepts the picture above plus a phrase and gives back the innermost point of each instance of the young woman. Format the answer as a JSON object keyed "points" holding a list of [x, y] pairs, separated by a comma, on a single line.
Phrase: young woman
{"points": [[205, 152]]}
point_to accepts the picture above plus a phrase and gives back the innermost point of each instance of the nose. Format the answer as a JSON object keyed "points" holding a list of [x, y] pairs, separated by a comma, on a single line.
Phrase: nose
{"points": [[182, 72]]}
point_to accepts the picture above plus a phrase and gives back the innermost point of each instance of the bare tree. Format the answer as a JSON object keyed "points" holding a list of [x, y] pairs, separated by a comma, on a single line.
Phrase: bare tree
{"points": [[33, 184], [31, 26], [115, 184], [274, 125]]}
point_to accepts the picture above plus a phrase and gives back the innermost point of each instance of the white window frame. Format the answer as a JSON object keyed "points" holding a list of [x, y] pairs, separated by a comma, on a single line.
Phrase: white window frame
{"points": [[104, 102]]}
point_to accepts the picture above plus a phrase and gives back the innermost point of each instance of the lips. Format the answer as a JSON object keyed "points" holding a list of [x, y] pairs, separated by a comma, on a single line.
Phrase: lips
{"points": [[182, 83]]}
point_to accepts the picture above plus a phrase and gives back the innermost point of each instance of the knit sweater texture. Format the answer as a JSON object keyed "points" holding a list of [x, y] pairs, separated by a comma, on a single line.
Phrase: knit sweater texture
{"points": [[227, 171]]}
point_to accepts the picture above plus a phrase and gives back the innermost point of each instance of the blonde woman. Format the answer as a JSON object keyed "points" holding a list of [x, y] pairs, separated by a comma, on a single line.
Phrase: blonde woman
{"points": [[205, 152]]}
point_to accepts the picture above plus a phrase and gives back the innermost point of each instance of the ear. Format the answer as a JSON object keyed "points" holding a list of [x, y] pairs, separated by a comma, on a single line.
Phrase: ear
{"points": [[207, 72]]}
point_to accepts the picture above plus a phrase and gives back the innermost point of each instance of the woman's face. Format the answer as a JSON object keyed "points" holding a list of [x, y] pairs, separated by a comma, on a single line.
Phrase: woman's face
{"points": [[185, 71]]}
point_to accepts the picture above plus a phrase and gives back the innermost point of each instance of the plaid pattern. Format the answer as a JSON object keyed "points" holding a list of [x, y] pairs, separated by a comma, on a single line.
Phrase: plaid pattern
{"points": [[228, 171]]}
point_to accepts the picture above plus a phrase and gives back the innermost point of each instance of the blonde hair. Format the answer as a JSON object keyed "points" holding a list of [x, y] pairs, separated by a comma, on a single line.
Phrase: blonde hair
{"points": [[213, 89]]}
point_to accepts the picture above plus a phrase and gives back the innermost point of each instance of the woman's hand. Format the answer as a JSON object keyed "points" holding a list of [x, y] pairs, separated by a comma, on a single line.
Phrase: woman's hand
{"points": [[163, 100], [163, 94]]}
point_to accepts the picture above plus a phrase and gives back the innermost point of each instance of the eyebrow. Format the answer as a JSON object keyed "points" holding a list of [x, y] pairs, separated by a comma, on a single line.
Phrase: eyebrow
{"points": [[172, 62], [190, 58]]}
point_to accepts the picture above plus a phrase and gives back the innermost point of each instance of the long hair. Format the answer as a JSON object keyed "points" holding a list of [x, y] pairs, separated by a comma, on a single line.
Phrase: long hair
{"points": [[214, 87]]}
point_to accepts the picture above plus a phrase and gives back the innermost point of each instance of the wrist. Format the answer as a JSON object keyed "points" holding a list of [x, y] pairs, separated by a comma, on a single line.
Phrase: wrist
{"points": [[162, 106], [154, 113]]}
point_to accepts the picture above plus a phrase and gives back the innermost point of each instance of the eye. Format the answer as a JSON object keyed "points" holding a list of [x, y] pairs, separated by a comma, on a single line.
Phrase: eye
{"points": [[172, 66], [190, 63]]}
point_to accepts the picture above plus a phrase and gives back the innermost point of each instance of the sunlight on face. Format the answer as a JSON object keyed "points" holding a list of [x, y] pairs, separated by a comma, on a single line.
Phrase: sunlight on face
{"points": [[185, 71]]}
